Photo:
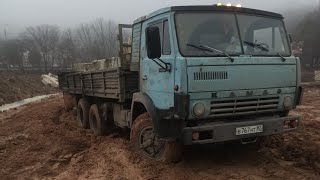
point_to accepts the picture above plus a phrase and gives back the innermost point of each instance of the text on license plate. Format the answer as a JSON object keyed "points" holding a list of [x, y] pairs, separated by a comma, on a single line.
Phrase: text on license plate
{"points": [[249, 130]]}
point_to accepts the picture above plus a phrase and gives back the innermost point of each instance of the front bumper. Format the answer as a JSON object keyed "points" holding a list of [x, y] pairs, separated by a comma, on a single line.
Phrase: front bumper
{"points": [[226, 131]]}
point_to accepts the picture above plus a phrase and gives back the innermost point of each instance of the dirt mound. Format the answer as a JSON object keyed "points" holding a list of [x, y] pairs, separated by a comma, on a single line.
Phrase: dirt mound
{"points": [[17, 86], [42, 141]]}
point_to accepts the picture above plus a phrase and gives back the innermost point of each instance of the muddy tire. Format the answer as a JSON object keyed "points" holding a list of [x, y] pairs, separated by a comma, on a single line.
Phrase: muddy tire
{"points": [[152, 147], [83, 114], [95, 121], [68, 101]]}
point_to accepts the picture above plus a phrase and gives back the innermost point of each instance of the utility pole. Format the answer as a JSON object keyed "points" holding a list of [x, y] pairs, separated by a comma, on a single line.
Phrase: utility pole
{"points": [[5, 31]]}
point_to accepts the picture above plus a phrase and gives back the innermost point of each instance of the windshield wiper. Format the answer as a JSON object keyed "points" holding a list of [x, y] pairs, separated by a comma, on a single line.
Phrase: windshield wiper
{"points": [[210, 49], [231, 58], [199, 47], [256, 45]]}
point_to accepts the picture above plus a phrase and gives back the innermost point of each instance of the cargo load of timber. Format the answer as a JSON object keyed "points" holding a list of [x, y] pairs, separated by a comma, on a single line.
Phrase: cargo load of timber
{"points": [[101, 64]]}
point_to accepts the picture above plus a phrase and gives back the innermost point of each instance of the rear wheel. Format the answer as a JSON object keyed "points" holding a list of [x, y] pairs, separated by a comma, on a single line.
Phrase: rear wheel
{"points": [[68, 101], [143, 140], [83, 113], [95, 121]]}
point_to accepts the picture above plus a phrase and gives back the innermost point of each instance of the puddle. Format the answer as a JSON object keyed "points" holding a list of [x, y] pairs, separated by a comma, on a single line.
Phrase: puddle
{"points": [[16, 104]]}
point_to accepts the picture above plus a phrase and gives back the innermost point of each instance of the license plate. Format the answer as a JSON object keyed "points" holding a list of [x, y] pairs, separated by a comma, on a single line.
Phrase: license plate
{"points": [[249, 130]]}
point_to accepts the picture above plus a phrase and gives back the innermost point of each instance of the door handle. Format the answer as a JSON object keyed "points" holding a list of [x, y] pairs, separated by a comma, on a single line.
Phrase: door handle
{"points": [[145, 77]]}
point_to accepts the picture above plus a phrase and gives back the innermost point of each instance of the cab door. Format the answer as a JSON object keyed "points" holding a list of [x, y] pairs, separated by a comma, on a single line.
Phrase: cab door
{"points": [[156, 82]]}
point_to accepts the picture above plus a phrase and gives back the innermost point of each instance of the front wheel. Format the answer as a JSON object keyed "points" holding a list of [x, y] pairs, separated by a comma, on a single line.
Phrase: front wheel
{"points": [[143, 140]]}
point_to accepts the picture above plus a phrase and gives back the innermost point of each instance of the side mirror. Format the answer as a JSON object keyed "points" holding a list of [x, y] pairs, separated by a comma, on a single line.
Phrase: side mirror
{"points": [[290, 38], [153, 42]]}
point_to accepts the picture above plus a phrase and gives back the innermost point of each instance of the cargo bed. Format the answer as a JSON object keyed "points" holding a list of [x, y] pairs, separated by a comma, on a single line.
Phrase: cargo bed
{"points": [[113, 83]]}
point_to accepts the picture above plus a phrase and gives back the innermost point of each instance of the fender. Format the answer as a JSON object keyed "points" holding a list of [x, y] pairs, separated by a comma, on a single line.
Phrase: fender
{"points": [[164, 124], [147, 102]]}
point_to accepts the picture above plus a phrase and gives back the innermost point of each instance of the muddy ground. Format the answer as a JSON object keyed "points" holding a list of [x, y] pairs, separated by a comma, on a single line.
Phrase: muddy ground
{"points": [[42, 141], [15, 86]]}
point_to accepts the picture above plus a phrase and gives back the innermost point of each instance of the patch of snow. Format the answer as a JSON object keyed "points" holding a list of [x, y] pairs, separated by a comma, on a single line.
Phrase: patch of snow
{"points": [[16, 104]]}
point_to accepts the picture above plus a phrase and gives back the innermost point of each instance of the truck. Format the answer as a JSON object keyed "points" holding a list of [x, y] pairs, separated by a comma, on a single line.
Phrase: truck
{"points": [[192, 75]]}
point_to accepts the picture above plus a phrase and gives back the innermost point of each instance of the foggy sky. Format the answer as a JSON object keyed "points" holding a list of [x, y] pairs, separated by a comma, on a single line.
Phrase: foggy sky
{"points": [[17, 14]]}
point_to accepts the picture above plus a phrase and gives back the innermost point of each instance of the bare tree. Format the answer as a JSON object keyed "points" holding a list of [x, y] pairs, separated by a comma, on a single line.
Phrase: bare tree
{"points": [[84, 42], [45, 38], [66, 49], [34, 58], [46, 46], [308, 31], [97, 40], [105, 34], [13, 52]]}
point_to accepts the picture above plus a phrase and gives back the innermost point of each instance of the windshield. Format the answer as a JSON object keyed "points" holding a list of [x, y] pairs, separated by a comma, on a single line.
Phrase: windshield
{"points": [[234, 34]]}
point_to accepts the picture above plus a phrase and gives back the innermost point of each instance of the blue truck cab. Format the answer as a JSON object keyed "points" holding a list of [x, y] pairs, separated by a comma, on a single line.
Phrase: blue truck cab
{"points": [[216, 73], [196, 75]]}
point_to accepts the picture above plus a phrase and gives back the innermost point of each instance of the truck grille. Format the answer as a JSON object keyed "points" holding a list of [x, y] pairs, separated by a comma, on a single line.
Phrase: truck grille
{"points": [[240, 107], [210, 75]]}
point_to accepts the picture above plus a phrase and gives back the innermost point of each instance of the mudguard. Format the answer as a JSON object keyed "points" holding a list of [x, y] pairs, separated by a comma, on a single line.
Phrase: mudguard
{"points": [[147, 102], [164, 123]]}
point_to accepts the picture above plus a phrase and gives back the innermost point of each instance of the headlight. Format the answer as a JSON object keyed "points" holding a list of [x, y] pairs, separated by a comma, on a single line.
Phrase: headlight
{"points": [[198, 109], [287, 102]]}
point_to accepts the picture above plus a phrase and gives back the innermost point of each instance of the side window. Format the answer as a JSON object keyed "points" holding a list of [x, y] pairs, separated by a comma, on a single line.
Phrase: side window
{"points": [[160, 25], [164, 37], [166, 48]]}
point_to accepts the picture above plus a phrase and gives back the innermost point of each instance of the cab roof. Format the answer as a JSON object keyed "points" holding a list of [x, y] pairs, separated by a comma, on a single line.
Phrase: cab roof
{"points": [[210, 8]]}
